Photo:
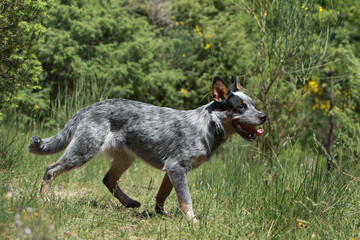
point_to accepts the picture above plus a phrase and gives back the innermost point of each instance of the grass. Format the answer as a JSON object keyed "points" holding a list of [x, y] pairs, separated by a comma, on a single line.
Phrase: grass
{"points": [[235, 196]]}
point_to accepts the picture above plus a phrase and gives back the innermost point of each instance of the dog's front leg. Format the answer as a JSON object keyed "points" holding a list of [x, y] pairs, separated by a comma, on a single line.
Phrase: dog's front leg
{"points": [[178, 178], [163, 193]]}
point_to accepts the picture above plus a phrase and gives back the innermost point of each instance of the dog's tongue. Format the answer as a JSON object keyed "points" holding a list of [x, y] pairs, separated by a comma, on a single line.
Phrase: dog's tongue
{"points": [[259, 131]]}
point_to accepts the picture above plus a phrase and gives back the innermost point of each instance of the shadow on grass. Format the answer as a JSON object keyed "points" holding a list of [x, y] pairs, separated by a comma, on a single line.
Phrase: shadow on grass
{"points": [[145, 214]]}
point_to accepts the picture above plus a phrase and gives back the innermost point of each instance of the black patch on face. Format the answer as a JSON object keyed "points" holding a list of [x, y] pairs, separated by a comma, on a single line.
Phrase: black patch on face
{"points": [[233, 104]]}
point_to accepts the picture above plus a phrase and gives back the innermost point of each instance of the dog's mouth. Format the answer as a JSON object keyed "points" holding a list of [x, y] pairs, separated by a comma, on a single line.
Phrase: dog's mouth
{"points": [[247, 131]]}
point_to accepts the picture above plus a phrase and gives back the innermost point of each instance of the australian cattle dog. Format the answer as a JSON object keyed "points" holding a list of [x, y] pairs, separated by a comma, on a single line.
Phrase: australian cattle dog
{"points": [[174, 141]]}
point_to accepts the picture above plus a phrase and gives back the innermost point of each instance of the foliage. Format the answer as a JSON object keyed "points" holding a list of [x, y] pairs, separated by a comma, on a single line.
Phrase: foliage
{"points": [[333, 90], [19, 31], [167, 53], [336, 100], [211, 40], [141, 51], [299, 61], [106, 42], [290, 44]]}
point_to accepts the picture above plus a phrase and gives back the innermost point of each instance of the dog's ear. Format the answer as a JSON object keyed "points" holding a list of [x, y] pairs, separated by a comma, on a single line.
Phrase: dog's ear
{"points": [[234, 86], [220, 91]]}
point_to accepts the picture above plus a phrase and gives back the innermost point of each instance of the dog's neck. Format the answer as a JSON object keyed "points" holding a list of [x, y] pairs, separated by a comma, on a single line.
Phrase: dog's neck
{"points": [[210, 123]]}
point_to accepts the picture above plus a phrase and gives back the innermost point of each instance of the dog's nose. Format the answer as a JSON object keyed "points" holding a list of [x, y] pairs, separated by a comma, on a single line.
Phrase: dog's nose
{"points": [[262, 117]]}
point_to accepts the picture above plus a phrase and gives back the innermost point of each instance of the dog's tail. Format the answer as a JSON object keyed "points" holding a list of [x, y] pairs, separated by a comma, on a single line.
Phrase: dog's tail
{"points": [[59, 141]]}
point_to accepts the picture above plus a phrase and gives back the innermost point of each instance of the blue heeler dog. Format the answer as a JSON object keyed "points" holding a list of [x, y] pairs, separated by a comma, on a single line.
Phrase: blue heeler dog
{"points": [[174, 141]]}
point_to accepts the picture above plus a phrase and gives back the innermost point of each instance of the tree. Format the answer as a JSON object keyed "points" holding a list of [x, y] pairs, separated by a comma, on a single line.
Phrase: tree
{"points": [[113, 43], [333, 90], [160, 52], [291, 42], [19, 31]]}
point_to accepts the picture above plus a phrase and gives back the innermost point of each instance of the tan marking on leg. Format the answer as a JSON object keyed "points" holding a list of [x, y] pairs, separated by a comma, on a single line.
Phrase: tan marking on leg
{"points": [[54, 173], [163, 193], [178, 178], [187, 210], [45, 187], [121, 162]]}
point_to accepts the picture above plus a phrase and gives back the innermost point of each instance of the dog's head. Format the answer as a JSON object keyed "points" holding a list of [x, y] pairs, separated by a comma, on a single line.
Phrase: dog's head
{"points": [[239, 108]]}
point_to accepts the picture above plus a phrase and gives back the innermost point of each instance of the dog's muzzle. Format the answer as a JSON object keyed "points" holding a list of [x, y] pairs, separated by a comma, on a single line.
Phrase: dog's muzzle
{"points": [[247, 131]]}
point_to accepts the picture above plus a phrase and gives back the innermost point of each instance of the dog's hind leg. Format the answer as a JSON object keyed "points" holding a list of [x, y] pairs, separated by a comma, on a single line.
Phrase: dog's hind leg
{"points": [[163, 193], [77, 154], [121, 162]]}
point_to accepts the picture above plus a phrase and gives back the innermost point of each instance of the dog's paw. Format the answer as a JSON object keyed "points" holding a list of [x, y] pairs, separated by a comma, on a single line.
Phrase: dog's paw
{"points": [[195, 221], [35, 145], [35, 141], [161, 211], [132, 204]]}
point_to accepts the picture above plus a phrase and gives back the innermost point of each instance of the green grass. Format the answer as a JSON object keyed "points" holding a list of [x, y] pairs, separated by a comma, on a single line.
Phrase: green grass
{"points": [[235, 196]]}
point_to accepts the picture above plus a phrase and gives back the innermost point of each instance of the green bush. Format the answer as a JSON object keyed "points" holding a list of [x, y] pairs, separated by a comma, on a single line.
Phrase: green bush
{"points": [[167, 53], [111, 43], [19, 31]]}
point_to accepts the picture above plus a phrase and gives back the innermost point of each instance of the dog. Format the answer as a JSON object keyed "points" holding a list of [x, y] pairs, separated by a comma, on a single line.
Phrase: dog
{"points": [[174, 141]]}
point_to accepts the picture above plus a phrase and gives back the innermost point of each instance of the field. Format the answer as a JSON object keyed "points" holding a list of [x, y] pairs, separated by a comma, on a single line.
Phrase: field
{"points": [[235, 196], [298, 60]]}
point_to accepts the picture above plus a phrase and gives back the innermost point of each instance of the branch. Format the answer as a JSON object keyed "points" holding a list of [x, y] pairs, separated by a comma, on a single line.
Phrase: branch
{"points": [[318, 66]]}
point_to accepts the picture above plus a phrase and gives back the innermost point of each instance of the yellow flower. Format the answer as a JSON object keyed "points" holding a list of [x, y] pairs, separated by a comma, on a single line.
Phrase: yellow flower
{"points": [[327, 103], [306, 8], [320, 9], [207, 46], [198, 30], [176, 23], [300, 223], [314, 85], [184, 91], [87, 230], [184, 55], [193, 185], [182, 23], [303, 6], [36, 106], [322, 105], [307, 14]]}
